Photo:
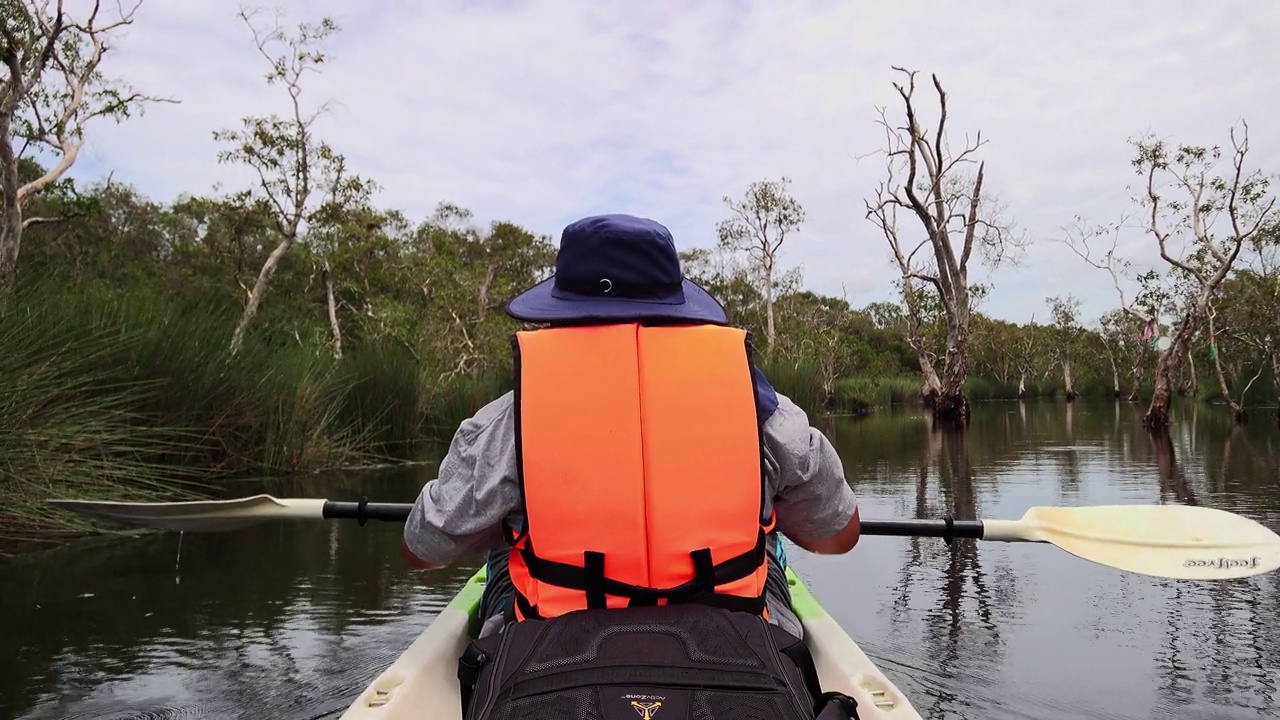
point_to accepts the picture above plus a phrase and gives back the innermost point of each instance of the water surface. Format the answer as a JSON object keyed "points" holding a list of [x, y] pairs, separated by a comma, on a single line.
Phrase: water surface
{"points": [[291, 620]]}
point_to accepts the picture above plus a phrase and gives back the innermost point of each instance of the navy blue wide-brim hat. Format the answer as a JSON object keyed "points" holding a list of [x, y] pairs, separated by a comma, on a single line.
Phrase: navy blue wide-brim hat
{"points": [[617, 267]]}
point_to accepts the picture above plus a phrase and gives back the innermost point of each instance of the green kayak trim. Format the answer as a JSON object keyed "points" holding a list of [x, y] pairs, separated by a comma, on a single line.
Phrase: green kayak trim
{"points": [[468, 599], [803, 603]]}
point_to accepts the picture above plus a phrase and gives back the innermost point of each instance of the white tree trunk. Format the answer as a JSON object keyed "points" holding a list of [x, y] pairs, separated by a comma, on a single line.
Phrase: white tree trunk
{"points": [[259, 290], [768, 303], [334, 328]]}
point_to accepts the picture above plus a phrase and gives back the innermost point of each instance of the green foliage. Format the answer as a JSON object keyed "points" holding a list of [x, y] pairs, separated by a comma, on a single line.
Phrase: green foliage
{"points": [[146, 296], [54, 82], [70, 424], [51, 86], [112, 394], [113, 345], [427, 341], [759, 225], [761, 220]]}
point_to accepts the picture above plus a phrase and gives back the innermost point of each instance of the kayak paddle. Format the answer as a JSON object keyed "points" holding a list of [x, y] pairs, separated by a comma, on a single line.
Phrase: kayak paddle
{"points": [[1172, 541], [221, 515]]}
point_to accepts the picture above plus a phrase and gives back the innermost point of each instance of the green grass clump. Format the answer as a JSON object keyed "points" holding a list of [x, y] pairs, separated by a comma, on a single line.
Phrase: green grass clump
{"points": [[136, 396]]}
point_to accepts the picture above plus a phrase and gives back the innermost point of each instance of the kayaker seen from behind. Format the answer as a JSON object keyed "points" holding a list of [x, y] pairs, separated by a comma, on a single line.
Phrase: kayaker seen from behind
{"points": [[641, 459]]}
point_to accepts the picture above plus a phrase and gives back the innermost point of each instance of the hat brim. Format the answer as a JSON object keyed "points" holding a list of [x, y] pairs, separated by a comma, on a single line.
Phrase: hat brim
{"points": [[539, 304]]}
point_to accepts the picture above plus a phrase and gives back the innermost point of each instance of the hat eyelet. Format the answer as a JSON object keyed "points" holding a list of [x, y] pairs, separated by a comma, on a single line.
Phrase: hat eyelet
{"points": [[608, 284]]}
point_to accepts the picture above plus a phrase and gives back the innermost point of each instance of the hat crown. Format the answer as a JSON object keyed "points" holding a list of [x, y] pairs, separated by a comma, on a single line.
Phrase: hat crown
{"points": [[616, 267], [621, 255]]}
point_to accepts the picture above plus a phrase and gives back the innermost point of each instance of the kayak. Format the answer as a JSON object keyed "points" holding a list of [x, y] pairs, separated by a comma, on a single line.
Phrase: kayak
{"points": [[423, 682]]}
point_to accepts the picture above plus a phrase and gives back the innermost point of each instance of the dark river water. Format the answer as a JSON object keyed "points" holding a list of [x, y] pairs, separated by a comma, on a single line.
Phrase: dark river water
{"points": [[291, 620]]}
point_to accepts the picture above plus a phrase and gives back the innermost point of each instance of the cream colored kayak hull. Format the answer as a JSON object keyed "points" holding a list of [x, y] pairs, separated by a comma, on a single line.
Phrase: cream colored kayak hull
{"points": [[422, 683]]}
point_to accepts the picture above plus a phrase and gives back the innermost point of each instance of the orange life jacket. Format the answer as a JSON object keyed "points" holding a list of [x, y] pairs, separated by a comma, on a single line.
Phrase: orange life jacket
{"points": [[641, 471]]}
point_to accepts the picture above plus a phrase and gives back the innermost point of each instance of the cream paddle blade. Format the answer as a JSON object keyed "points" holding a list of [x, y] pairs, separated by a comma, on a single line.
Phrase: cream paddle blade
{"points": [[1173, 541], [220, 515], [200, 515]]}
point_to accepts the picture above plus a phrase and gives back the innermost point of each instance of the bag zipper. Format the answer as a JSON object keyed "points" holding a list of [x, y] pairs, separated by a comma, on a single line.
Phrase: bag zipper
{"points": [[778, 656], [499, 654]]}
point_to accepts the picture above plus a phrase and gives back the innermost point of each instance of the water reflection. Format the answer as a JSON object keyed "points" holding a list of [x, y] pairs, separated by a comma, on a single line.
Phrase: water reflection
{"points": [[957, 632], [1173, 482], [289, 616], [291, 620], [1019, 630]]}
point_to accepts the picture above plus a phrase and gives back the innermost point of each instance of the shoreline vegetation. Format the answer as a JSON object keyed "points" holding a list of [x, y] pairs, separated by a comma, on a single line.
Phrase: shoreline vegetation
{"points": [[162, 349], [132, 395]]}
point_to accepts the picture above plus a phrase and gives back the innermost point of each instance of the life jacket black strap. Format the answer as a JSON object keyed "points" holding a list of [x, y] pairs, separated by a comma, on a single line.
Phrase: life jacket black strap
{"points": [[733, 603], [527, 609], [591, 579], [593, 575], [509, 533], [704, 571]]}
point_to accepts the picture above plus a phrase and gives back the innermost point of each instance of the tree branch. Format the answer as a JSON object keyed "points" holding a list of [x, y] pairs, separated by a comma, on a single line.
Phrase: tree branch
{"points": [[931, 279], [28, 222]]}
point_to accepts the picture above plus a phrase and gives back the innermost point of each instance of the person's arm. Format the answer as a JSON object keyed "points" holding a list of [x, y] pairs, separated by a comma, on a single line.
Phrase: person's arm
{"points": [[815, 506], [842, 542], [461, 511], [416, 561]]}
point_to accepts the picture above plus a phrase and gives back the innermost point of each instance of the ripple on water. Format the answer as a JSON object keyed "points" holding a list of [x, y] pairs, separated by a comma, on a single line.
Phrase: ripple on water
{"points": [[292, 621]]}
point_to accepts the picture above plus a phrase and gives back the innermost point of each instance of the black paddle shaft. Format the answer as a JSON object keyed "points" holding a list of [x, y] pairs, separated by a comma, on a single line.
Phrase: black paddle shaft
{"points": [[947, 529], [363, 511]]}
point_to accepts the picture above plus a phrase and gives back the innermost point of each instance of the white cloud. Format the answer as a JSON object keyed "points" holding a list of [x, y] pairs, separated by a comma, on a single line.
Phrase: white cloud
{"points": [[541, 112]]}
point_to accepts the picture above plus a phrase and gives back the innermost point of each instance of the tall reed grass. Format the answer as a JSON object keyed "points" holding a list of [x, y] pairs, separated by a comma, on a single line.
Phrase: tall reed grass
{"points": [[136, 396]]}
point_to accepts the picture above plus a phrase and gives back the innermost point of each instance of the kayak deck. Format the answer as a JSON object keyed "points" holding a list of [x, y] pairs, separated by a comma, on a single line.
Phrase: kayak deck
{"points": [[423, 681]]}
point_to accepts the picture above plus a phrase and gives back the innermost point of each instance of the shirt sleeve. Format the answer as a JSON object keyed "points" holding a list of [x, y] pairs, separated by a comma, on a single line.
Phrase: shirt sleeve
{"points": [[812, 499], [461, 510]]}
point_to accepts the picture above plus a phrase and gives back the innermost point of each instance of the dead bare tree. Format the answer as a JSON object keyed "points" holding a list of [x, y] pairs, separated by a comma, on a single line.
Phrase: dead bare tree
{"points": [[53, 87], [885, 216], [947, 205]]}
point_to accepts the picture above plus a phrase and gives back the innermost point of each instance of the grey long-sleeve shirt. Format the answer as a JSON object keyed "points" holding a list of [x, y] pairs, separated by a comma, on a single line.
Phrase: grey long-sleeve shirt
{"points": [[460, 512]]}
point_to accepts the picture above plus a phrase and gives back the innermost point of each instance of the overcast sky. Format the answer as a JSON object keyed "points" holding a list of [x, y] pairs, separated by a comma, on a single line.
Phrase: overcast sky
{"points": [[543, 112]]}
